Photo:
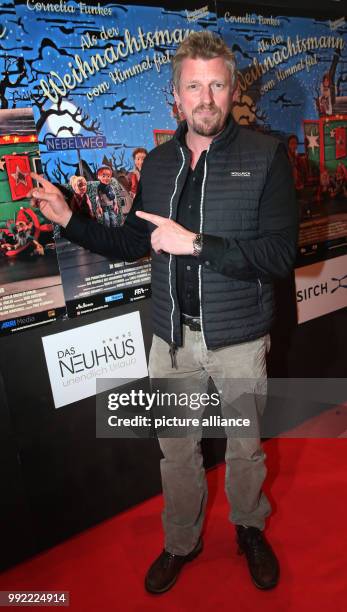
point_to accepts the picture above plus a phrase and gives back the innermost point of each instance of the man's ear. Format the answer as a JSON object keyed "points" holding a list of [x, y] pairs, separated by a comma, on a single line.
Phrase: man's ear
{"points": [[177, 97], [178, 105]]}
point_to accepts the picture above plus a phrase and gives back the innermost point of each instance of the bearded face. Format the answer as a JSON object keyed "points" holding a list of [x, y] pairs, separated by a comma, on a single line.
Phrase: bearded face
{"points": [[205, 95]]}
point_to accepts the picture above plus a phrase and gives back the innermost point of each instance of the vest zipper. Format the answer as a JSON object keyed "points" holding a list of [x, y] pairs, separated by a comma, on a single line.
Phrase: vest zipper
{"points": [[173, 353], [201, 231], [173, 345]]}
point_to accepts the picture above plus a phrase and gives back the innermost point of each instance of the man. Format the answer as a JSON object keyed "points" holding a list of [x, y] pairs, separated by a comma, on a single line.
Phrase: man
{"points": [[221, 203]]}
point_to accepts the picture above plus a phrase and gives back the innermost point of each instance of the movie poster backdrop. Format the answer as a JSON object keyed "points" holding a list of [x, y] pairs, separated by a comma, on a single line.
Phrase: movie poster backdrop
{"points": [[98, 77], [30, 284], [292, 82]]}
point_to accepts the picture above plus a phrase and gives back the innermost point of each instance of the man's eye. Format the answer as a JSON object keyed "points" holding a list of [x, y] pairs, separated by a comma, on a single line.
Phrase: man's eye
{"points": [[219, 85]]}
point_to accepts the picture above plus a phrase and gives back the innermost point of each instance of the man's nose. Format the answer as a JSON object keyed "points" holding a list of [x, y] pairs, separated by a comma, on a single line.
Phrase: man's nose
{"points": [[207, 94]]}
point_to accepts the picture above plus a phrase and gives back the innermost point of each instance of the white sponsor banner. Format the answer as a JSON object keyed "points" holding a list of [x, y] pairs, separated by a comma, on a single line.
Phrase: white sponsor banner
{"points": [[111, 349], [321, 288]]}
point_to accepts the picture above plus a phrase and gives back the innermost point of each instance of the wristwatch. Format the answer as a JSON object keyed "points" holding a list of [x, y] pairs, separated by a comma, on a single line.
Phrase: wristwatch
{"points": [[197, 245]]}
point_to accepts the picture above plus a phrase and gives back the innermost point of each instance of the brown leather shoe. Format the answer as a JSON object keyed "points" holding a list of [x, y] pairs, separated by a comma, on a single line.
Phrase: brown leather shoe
{"points": [[261, 559], [165, 570]]}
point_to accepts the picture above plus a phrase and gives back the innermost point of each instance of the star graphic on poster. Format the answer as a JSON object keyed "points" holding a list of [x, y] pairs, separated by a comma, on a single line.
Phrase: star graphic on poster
{"points": [[19, 176], [312, 141], [2, 164]]}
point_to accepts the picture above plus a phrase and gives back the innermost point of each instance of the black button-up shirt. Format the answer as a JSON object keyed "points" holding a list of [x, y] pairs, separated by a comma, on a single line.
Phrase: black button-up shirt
{"points": [[188, 215]]}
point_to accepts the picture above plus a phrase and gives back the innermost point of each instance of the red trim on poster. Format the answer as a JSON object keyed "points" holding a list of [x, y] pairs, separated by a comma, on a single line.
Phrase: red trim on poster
{"points": [[17, 139]]}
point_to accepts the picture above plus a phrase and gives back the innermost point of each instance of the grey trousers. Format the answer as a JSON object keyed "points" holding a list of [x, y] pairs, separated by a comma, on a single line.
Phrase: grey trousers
{"points": [[182, 471]]}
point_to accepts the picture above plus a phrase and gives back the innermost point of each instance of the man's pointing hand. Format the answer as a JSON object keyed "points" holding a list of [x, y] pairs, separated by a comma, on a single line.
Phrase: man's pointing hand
{"points": [[169, 236], [50, 201]]}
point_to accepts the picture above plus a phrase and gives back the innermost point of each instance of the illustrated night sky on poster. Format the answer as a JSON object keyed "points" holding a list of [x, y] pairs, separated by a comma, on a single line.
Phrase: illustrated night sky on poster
{"points": [[13, 89], [99, 81], [292, 82], [128, 49], [282, 61]]}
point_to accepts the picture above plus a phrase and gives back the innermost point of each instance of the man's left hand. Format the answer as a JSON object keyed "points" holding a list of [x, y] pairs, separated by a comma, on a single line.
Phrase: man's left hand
{"points": [[169, 236]]}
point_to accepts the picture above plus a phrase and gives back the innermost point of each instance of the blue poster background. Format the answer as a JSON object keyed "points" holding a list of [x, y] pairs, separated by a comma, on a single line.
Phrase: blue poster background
{"points": [[299, 51], [127, 97], [292, 82], [99, 81], [13, 85]]}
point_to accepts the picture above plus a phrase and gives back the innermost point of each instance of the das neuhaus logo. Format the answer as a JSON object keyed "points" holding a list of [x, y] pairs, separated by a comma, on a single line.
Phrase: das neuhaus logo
{"points": [[106, 355], [111, 350]]}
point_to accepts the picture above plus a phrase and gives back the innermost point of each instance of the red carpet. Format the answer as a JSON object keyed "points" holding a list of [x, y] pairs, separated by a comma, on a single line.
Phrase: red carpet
{"points": [[103, 568]]}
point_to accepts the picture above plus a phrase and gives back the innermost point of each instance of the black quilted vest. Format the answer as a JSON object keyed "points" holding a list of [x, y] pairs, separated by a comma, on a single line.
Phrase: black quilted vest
{"points": [[232, 311]]}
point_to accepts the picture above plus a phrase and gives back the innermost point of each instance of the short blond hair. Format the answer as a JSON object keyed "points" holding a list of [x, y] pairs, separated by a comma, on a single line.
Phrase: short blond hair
{"points": [[202, 45]]}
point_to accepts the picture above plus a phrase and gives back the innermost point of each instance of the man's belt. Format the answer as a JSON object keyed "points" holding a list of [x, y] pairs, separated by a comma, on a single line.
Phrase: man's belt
{"points": [[193, 323]]}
